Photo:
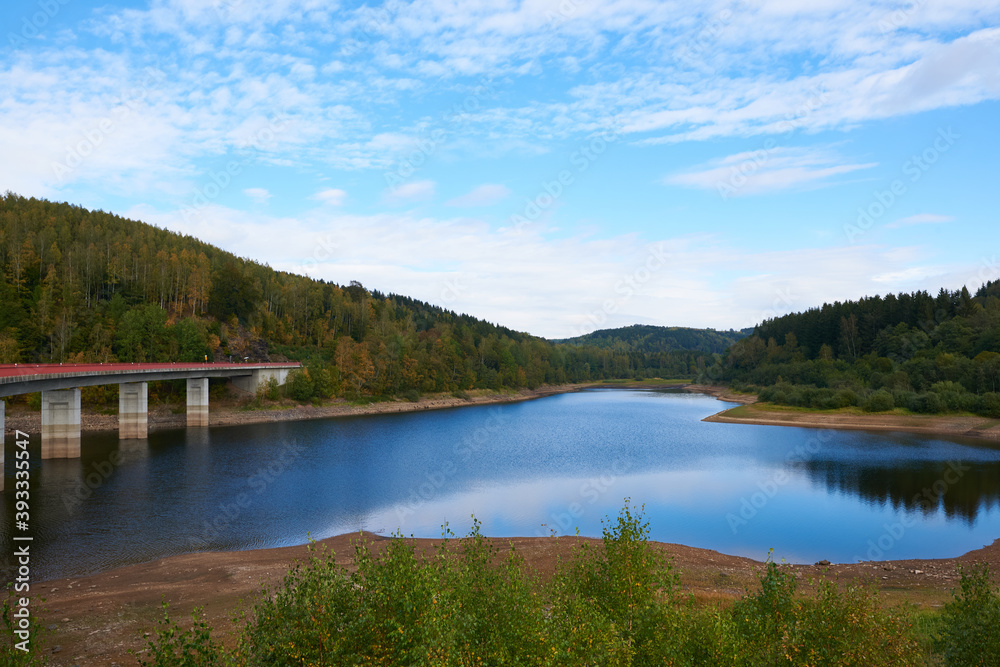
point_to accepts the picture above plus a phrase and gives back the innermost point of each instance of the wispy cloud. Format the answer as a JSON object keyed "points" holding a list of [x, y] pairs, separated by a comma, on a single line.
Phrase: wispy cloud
{"points": [[921, 219], [258, 195], [482, 195], [330, 196], [665, 69], [410, 192], [767, 170]]}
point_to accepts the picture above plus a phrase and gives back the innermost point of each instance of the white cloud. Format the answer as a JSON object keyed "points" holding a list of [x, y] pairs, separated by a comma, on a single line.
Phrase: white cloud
{"points": [[767, 170], [410, 192], [330, 196], [258, 195], [921, 219], [664, 72], [481, 195], [559, 287]]}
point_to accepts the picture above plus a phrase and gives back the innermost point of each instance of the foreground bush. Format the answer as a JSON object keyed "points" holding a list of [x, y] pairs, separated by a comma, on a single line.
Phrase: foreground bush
{"points": [[838, 627], [619, 603], [971, 622]]}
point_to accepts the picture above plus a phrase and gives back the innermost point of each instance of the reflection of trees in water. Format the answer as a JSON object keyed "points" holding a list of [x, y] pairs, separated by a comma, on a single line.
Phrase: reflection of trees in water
{"points": [[963, 489]]}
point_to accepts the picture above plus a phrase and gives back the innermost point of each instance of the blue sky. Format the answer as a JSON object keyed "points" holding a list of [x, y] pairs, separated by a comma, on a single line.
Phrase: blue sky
{"points": [[557, 166]]}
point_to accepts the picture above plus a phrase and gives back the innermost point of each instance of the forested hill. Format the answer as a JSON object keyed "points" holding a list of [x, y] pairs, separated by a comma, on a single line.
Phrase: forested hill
{"points": [[79, 285], [651, 339], [916, 352]]}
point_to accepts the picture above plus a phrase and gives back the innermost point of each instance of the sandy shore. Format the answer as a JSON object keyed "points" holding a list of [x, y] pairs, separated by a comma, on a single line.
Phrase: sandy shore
{"points": [[944, 425], [96, 620]]}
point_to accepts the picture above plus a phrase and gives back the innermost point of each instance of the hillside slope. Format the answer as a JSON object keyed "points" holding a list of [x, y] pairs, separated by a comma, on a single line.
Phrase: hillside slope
{"points": [[648, 339], [88, 286]]}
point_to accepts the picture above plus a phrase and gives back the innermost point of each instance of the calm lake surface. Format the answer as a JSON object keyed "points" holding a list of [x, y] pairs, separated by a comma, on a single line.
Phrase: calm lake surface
{"points": [[554, 464]]}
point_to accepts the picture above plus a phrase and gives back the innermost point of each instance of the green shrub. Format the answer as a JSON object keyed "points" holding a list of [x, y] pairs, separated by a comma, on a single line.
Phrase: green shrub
{"points": [[323, 384], [845, 398], [272, 390], [970, 622], [633, 586], [300, 385], [879, 401], [615, 604], [928, 403], [492, 610], [849, 628], [989, 405], [761, 619], [174, 647], [794, 397]]}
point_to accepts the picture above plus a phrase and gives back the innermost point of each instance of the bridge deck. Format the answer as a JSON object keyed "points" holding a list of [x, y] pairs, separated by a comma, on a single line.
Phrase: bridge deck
{"points": [[27, 378]]}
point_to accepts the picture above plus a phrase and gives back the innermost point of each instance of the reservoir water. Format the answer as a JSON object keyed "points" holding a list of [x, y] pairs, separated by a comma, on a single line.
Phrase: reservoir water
{"points": [[556, 464]]}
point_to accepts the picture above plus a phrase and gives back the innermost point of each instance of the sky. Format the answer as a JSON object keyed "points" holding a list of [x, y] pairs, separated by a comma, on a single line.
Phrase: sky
{"points": [[555, 166]]}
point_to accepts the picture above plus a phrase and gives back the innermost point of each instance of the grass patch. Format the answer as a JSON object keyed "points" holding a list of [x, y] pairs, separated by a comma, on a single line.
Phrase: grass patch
{"points": [[856, 410], [654, 382]]}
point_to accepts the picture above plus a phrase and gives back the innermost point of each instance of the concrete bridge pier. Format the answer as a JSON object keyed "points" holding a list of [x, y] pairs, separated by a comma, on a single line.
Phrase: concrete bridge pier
{"points": [[61, 424], [251, 383], [197, 402], [133, 410]]}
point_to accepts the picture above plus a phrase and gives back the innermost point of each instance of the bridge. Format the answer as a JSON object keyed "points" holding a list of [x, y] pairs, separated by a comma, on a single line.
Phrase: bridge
{"points": [[60, 386]]}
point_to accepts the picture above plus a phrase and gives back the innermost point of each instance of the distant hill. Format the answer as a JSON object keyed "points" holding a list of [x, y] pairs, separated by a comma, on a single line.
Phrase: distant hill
{"points": [[649, 339]]}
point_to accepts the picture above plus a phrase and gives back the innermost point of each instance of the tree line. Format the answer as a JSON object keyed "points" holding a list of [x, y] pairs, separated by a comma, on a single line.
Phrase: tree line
{"points": [[645, 338], [90, 286], [923, 353]]}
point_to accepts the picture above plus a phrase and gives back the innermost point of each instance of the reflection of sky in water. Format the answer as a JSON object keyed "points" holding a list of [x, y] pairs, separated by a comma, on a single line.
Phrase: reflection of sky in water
{"points": [[559, 463]]}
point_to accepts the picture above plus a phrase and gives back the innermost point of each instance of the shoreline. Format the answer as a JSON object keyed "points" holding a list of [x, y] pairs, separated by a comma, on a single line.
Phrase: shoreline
{"points": [[161, 417], [98, 619], [231, 413], [951, 426]]}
